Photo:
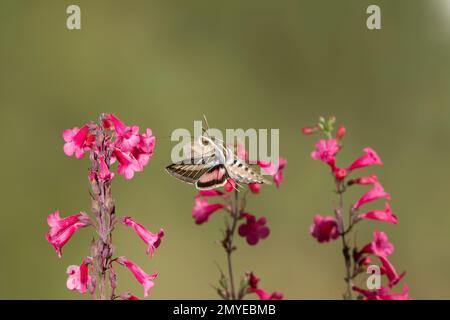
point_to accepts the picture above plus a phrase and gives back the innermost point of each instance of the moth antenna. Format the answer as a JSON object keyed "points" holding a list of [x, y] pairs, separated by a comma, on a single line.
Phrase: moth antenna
{"points": [[205, 126]]}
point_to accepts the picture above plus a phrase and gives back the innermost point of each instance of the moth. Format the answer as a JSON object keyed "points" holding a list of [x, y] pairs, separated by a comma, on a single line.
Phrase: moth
{"points": [[211, 164]]}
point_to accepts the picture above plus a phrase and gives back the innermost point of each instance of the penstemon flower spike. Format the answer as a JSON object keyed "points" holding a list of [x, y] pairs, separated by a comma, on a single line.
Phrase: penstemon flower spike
{"points": [[328, 228], [238, 221], [107, 142]]}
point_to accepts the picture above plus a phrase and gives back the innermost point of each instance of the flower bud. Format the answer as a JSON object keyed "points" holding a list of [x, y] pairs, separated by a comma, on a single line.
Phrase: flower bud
{"points": [[340, 133]]}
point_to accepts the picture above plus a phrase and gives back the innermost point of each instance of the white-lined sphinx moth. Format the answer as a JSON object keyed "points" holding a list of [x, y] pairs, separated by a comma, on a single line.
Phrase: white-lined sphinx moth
{"points": [[211, 164]]}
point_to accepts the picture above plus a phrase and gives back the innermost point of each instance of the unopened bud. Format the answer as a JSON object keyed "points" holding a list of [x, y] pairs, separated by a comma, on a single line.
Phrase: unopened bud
{"points": [[309, 130], [340, 133], [340, 174], [113, 278]]}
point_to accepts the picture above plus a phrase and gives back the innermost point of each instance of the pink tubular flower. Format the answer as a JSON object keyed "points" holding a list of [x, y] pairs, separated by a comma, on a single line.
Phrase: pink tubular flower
{"points": [[380, 246], [104, 174], [241, 152], [377, 192], [230, 185], [383, 294], [371, 179], [202, 210], [78, 278], [128, 296], [75, 141], [253, 281], [390, 271], [254, 187], [151, 240], [369, 159], [147, 142], [209, 193], [127, 137], [326, 151], [324, 228], [61, 230], [276, 171], [128, 165], [144, 150], [278, 177], [263, 295], [146, 280], [253, 229], [385, 215]]}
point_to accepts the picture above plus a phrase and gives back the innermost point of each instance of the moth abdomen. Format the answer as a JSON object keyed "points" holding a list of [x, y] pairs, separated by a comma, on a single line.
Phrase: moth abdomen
{"points": [[243, 173]]}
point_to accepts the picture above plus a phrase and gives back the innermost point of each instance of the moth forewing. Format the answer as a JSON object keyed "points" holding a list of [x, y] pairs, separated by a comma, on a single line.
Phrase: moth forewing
{"points": [[209, 163]]}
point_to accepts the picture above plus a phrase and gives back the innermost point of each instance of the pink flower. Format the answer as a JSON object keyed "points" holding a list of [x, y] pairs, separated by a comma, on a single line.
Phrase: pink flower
{"points": [[202, 210], [79, 278], [380, 246], [144, 150], [241, 152], [324, 228], [276, 171], [383, 294], [371, 179], [230, 185], [75, 141], [147, 142], [278, 177], [61, 230], [152, 240], [128, 165], [390, 272], [253, 229], [104, 174], [385, 215], [143, 278], [127, 137], [263, 295], [254, 187], [128, 296], [377, 192], [369, 159], [209, 193], [253, 281], [326, 151]]}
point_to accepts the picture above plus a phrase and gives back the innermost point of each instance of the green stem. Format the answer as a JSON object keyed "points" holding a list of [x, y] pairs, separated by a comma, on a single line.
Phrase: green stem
{"points": [[345, 247], [229, 242]]}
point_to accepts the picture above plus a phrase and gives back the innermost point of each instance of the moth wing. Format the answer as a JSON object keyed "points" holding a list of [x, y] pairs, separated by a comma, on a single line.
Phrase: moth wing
{"points": [[214, 178], [188, 173]]}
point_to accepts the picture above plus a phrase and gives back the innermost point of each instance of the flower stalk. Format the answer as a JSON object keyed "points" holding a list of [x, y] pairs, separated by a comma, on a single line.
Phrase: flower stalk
{"points": [[328, 228], [240, 222], [107, 142]]}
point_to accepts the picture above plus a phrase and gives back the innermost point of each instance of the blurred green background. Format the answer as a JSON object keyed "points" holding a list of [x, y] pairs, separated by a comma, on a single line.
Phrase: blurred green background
{"points": [[245, 64]]}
